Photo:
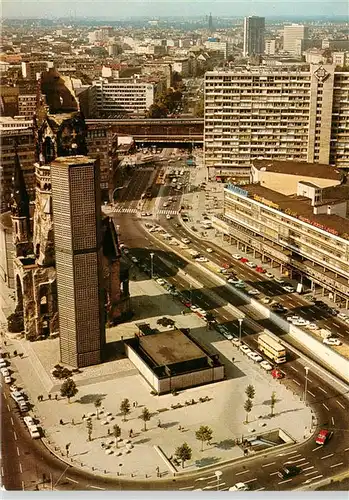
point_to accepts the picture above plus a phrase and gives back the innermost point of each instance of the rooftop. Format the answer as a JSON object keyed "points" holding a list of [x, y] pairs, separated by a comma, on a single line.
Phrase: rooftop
{"points": [[316, 170], [170, 347]]}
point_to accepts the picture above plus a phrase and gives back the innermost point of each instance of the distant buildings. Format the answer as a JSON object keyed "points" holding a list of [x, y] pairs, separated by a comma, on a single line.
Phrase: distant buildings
{"points": [[277, 113], [294, 36], [254, 28], [123, 95]]}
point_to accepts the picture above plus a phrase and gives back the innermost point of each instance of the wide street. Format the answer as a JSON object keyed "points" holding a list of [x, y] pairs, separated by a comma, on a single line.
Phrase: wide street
{"points": [[26, 460]]}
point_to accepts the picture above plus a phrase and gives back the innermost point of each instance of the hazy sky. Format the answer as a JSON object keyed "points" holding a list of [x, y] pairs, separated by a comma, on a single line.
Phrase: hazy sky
{"points": [[119, 9]]}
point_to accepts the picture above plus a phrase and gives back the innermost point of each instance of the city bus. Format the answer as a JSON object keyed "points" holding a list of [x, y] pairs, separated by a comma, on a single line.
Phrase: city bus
{"points": [[272, 348]]}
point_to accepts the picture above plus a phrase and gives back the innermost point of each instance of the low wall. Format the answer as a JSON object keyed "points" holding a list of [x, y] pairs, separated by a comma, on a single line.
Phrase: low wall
{"points": [[192, 379], [142, 367]]}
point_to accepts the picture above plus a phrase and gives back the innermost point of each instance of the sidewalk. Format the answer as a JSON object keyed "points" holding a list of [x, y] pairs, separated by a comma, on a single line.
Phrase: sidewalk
{"points": [[117, 379]]}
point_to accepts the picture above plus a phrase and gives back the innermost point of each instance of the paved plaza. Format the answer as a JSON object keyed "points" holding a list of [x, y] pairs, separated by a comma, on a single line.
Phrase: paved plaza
{"points": [[146, 453]]}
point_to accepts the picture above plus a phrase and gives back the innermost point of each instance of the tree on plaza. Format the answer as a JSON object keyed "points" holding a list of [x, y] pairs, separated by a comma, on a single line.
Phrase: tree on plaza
{"points": [[248, 407], [89, 427], [250, 391], [272, 403], [145, 416], [183, 453], [125, 408], [69, 389], [116, 433], [157, 111], [204, 434], [98, 404]]}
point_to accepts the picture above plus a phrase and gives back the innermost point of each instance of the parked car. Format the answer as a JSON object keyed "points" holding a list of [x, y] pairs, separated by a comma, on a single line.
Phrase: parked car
{"points": [[8, 379], [250, 264], [260, 269], [266, 300], [237, 256], [160, 281], [311, 326], [289, 289], [269, 275], [236, 342], [332, 341], [185, 240], [253, 291], [201, 259], [228, 335], [323, 436], [245, 349], [243, 260], [277, 374], [255, 356], [209, 250], [5, 372], [279, 280], [266, 366], [289, 471], [239, 487]]}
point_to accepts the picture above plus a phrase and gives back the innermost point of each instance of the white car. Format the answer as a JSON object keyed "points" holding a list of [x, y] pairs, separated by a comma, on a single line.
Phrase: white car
{"points": [[269, 275], [168, 217], [228, 336], [165, 205], [5, 372], [291, 319], [250, 264], [311, 326], [29, 421], [245, 349], [160, 281], [239, 487], [266, 366], [237, 256], [8, 379], [241, 284], [185, 240], [202, 259], [126, 250], [300, 322], [194, 308], [253, 291], [134, 259], [173, 243], [255, 356], [2, 363], [236, 342], [266, 300], [279, 280], [289, 289], [342, 316], [332, 341], [209, 250]]}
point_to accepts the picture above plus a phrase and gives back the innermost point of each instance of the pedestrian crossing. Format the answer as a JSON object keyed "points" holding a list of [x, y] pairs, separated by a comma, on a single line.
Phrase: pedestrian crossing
{"points": [[120, 210]]}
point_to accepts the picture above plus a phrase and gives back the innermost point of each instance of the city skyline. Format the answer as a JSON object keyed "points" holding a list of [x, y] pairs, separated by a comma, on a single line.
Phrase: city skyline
{"points": [[138, 9]]}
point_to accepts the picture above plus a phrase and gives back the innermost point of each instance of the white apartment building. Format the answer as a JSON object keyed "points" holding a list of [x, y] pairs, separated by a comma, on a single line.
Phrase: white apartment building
{"points": [[294, 34], [124, 94], [13, 124], [275, 112], [217, 45], [270, 47]]}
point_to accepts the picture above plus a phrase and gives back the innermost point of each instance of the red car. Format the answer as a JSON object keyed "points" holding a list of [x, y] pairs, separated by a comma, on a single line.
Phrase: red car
{"points": [[260, 269], [243, 260], [226, 266], [323, 436], [276, 373]]}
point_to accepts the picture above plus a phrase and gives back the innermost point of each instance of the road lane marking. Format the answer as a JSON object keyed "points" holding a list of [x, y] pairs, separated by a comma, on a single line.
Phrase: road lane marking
{"points": [[317, 448], [327, 456], [95, 487], [273, 473], [340, 404], [295, 369], [12, 421], [311, 394], [327, 408], [295, 461], [8, 407], [250, 480], [17, 451], [260, 489], [296, 381], [312, 472], [286, 481], [5, 395], [291, 453], [267, 465], [2, 471], [332, 420], [313, 478], [243, 472], [72, 480], [186, 487], [20, 467], [308, 468], [15, 435], [346, 449], [323, 390], [213, 486], [310, 380], [336, 465], [205, 478]]}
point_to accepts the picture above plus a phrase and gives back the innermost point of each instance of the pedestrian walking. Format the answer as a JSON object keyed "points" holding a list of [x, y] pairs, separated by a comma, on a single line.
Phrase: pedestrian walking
{"points": [[83, 417], [61, 421], [56, 397], [108, 432], [159, 423], [233, 359], [5, 343], [15, 353], [49, 397], [38, 398], [179, 427], [73, 421]]}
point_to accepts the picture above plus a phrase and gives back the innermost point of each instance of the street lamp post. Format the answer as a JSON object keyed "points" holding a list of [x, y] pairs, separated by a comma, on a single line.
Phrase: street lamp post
{"points": [[218, 474], [151, 264], [306, 368], [240, 320]]}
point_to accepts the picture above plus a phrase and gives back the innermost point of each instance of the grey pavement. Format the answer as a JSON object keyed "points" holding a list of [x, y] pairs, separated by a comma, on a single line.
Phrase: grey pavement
{"points": [[118, 379]]}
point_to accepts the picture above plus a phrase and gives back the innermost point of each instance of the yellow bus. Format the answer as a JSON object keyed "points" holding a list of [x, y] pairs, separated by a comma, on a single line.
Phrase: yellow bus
{"points": [[272, 348]]}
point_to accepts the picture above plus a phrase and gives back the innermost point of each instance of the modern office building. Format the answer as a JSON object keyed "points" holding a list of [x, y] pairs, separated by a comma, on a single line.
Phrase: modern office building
{"points": [[279, 113], [123, 95], [294, 35], [27, 104], [254, 28], [78, 246], [294, 216]]}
